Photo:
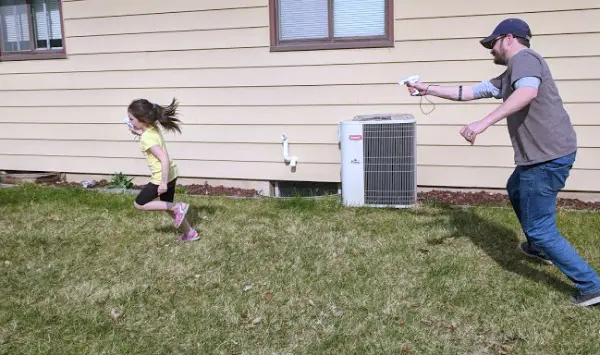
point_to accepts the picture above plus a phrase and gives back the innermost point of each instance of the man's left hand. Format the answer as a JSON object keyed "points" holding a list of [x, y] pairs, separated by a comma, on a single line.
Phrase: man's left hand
{"points": [[470, 131]]}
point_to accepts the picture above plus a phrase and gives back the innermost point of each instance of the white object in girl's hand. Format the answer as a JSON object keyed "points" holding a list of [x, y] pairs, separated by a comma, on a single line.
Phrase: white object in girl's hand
{"points": [[411, 79], [128, 122]]}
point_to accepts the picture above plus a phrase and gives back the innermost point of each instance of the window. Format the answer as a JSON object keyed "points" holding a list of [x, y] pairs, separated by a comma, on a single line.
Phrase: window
{"points": [[31, 29], [305, 188], [331, 24]]}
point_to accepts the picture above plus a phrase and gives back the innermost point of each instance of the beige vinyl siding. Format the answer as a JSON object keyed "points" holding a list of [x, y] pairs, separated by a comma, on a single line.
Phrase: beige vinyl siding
{"points": [[237, 97], [303, 134], [583, 114], [572, 91], [484, 156], [322, 75], [415, 55]]}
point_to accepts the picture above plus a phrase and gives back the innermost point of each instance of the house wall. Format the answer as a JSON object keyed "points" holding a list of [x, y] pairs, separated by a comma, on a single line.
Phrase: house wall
{"points": [[237, 97]]}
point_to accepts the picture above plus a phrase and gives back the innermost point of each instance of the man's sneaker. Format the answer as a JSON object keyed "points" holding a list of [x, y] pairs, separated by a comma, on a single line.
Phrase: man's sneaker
{"points": [[586, 300], [193, 235], [527, 250], [180, 212]]}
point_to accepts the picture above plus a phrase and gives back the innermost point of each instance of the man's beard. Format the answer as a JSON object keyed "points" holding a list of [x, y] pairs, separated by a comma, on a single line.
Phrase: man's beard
{"points": [[499, 59]]}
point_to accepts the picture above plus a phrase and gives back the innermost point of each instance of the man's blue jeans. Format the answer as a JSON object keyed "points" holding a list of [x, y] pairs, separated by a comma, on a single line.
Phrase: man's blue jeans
{"points": [[533, 191]]}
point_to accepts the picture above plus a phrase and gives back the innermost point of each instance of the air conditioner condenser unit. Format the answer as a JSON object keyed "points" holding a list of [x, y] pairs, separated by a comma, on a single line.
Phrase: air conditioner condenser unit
{"points": [[379, 163]]}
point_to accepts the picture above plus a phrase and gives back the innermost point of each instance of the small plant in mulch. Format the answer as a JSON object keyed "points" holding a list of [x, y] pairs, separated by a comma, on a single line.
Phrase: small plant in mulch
{"points": [[121, 181]]}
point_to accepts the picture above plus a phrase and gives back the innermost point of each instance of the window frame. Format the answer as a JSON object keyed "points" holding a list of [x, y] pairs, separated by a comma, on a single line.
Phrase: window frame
{"points": [[37, 54], [385, 41]]}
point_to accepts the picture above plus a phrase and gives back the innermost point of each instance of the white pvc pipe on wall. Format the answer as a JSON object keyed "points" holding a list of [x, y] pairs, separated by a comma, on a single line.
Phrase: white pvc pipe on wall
{"points": [[288, 160]]}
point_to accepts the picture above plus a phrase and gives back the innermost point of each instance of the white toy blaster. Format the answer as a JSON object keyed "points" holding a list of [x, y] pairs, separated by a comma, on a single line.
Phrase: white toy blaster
{"points": [[411, 79], [128, 122]]}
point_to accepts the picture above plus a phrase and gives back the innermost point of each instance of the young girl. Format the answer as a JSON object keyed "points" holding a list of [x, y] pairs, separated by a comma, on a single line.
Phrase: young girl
{"points": [[144, 117]]}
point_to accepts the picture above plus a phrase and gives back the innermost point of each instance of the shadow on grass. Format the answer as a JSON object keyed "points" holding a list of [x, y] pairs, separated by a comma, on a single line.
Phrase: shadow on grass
{"points": [[195, 216], [498, 241]]}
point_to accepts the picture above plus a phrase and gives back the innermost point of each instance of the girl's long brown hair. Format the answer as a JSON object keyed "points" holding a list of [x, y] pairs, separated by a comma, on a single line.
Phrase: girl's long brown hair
{"points": [[151, 113]]}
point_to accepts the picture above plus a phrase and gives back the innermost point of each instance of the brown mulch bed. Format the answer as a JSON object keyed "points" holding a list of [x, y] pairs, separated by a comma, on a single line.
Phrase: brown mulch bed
{"points": [[463, 198], [194, 189], [220, 190], [442, 197], [455, 198]]}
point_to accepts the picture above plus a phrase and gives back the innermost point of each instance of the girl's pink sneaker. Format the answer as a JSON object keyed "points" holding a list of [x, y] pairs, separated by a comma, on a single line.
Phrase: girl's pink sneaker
{"points": [[180, 212], [193, 235]]}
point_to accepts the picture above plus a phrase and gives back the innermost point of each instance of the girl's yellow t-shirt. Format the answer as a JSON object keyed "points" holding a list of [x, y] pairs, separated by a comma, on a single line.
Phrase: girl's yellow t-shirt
{"points": [[148, 139]]}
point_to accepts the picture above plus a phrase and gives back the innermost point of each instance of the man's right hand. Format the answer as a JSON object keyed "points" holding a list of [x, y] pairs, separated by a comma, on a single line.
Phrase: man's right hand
{"points": [[421, 88]]}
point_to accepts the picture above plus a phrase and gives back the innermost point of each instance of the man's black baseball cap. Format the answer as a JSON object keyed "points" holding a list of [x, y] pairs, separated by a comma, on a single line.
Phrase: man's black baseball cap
{"points": [[513, 26]]}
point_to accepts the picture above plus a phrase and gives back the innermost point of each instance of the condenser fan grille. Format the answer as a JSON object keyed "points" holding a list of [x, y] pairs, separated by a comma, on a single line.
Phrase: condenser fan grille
{"points": [[389, 163]]}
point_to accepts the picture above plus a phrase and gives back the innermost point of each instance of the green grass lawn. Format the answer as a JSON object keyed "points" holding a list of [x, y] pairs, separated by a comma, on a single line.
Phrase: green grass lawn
{"points": [[280, 276]]}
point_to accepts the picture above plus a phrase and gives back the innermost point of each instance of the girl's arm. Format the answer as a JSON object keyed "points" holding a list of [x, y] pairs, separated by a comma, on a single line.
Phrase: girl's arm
{"points": [[164, 161]]}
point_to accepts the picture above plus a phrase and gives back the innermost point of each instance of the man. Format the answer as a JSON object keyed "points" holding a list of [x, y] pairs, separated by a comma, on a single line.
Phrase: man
{"points": [[544, 144]]}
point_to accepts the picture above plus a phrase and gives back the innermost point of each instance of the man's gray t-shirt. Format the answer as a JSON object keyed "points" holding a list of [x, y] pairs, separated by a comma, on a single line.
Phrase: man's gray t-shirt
{"points": [[542, 130]]}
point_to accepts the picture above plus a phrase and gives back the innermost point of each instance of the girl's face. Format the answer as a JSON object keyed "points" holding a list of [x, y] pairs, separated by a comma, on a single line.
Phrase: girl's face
{"points": [[137, 124]]}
